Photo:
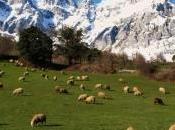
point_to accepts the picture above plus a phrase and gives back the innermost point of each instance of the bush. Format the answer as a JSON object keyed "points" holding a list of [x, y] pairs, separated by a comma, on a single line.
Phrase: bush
{"points": [[35, 46]]}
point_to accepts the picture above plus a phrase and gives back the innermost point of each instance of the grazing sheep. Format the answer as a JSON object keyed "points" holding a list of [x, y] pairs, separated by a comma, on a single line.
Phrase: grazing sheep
{"points": [[158, 101], [78, 78], [90, 100], [162, 90], [120, 80], [18, 91], [130, 128], [71, 78], [11, 60], [43, 75], [137, 93], [54, 78], [172, 127], [102, 95], [22, 78], [26, 73], [2, 73], [82, 87], [33, 69], [107, 87], [1, 85], [70, 82], [126, 89], [38, 118], [60, 90], [134, 89], [98, 86], [46, 77], [82, 97], [84, 77]]}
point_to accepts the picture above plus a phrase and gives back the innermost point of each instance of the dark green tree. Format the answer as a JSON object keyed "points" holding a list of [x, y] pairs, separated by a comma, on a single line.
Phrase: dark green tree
{"points": [[72, 46], [35, 46]]}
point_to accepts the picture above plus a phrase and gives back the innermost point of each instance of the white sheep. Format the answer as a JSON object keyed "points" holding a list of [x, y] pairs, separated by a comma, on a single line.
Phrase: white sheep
{"points": [[172, 127], [26, 73], [78, 78], [46, 77], [70, 82], [84, 77], [102, 95], [22, 78], [82, 97], [120, 80], [1, 85], [107, 87], [98, 86], [54, 78], [60, 90], [11, 60], [162, 90], [137, 93], [38, 118], [130, 128], [82, 87], [18, 91], [126, 89], [134, 89], [90, 100], [71, 78], [2, 73]]}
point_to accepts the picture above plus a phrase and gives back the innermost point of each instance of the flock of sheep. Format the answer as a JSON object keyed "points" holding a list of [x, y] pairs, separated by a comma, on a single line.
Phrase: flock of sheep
{"points": [[84, 97]]}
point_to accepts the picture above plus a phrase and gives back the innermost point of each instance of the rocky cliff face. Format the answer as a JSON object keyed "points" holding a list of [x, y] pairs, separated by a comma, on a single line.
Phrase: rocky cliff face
{"points": [[120, 26]]}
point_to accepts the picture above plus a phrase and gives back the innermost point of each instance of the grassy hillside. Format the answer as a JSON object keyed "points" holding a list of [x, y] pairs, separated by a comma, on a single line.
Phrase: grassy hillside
{"points": [[64, 112]]}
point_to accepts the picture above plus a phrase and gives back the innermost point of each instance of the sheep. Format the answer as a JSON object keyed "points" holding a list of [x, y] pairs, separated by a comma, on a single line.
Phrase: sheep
{"points": [[1, 85], [22, 78], [172, 127], [78, 78], [120, 80], [2, 73], [70, 82], [46, 77], [84, 77], [107, 87], [11, 60], [33, 69], [102, 95], [82, 97], [71, 78], [158, 101], [18, 91], [162, 90], [82, 87], [90, 100], [62, 72], [43, 75], [54, 78], [38, 118], [26, 73], [60, 90], [134, 89], [126, 89], [130, 128], [98, 86], [137, 93]]}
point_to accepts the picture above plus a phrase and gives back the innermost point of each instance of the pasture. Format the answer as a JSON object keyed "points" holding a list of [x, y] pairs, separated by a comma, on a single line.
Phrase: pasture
{"points": [[64, 112]]}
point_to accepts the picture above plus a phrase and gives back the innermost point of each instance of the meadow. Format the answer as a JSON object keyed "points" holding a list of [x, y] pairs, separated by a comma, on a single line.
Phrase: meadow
{"points": [[64, 112]]}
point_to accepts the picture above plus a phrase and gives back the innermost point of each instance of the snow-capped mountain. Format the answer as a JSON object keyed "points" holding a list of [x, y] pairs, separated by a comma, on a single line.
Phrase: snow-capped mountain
{"points": [[120, 26]]}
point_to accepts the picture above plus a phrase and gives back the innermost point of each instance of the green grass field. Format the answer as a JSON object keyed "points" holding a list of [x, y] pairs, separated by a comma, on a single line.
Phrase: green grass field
{"points": [[64, 112]]}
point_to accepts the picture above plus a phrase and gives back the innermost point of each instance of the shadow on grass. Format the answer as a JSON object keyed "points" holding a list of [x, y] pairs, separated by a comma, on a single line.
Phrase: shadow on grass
{"points": [[53, 125], [3, 124], [99, 103], [27, 95]]}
